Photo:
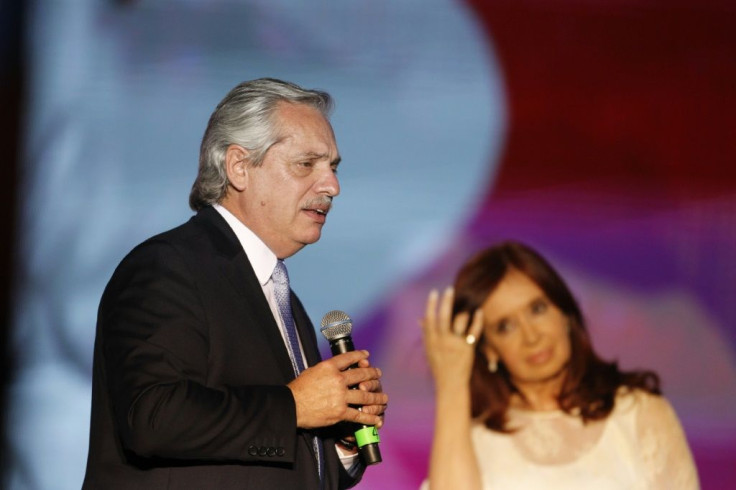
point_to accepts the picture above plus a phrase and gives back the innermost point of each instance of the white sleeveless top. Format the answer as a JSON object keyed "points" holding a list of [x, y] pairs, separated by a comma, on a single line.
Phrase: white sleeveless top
{"points": [[640, 445]]}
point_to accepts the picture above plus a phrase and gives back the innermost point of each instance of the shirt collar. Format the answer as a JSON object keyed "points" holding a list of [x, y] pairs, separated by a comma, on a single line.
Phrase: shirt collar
{"points": [[262, 259]]}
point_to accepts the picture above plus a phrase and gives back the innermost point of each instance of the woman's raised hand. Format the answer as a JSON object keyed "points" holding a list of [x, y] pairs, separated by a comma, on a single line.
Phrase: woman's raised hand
{"points": [[449, 342]]}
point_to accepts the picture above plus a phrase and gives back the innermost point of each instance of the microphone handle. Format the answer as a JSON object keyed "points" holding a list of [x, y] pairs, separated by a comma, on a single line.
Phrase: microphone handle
{"points": [[366, 436]]}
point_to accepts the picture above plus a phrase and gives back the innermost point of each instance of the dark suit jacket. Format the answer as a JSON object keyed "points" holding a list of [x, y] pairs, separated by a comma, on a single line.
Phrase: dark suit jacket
{"points": [[190, 373]]}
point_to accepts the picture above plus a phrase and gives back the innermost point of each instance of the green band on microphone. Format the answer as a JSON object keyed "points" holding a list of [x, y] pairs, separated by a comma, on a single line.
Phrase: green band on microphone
{"points": [[367, 435]]}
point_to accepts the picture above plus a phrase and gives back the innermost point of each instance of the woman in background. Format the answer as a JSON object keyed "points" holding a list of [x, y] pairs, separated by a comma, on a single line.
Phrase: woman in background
{"points": [[523, 401]]}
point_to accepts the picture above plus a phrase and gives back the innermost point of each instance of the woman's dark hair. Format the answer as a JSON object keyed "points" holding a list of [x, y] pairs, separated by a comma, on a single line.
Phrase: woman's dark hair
{"points": [[590, 384]]}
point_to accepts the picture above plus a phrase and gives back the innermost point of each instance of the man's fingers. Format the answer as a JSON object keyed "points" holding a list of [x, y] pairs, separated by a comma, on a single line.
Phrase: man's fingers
{"points": [[356, 376], [374, 409], [344, 361], [357, 397], [371, 385], [353, 415]]}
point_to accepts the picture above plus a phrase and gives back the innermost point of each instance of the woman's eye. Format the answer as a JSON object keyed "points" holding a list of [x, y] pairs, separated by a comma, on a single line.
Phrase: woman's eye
{"points": [[503, 326], [539, 306]]}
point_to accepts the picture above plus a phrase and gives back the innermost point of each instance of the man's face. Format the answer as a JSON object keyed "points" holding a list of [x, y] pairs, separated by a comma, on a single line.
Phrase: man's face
{"points": [[288, 196]]}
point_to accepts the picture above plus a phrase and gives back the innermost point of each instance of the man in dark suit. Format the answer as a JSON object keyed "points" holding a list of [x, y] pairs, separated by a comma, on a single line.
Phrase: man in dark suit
{"points": [[207, 373]]}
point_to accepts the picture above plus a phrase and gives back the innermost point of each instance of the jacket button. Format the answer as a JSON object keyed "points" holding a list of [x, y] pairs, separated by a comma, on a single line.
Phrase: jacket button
{"points": [[280, 451], [252, 450], [262, 451], [271, 451]]}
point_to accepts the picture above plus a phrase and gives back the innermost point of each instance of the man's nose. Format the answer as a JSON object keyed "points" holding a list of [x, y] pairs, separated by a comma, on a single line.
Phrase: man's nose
{"points": [[328, 183]]}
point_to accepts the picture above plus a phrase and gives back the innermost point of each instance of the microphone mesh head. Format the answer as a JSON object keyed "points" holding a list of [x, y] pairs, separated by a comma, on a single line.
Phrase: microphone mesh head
{"points": [[336, 324]]}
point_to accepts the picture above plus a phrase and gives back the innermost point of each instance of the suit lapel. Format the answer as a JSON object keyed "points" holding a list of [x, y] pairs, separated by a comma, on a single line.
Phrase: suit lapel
{"points": [[306, 331], [236, 268]]}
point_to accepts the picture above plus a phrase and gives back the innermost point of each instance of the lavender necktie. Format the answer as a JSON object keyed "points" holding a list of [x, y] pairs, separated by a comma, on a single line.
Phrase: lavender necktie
{"points": [[282, 292]]}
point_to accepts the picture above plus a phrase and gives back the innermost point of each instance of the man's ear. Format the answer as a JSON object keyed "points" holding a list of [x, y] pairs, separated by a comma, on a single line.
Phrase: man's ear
{"points": [[236, 166]]}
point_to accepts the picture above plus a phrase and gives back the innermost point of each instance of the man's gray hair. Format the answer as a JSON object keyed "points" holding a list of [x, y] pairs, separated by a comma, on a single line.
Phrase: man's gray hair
{"points": [[245, 117]]}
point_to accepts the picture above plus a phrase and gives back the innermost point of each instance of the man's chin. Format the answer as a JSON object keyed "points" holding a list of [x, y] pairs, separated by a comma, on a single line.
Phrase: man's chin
{"points": [[309, 238], [312, 238]]}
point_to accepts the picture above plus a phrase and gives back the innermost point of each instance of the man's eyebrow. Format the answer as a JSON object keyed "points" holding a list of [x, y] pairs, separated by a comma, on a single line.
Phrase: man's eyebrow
{"points": [[311, 155]]}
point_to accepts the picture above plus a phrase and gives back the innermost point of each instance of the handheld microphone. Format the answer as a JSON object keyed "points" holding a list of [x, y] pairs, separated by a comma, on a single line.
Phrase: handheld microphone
{"points": [[337, 327]]}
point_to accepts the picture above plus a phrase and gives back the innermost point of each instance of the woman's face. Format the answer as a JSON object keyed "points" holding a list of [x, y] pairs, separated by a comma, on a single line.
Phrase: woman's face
{"points": [[526, 331]]}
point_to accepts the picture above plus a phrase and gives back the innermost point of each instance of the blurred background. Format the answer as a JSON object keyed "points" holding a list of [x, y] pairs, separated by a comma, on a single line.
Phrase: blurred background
{"points": [[602, 133]]}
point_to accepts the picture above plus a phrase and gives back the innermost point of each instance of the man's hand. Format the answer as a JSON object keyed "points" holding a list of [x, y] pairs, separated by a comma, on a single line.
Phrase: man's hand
{"points": [[323, 396], [373, 385]]}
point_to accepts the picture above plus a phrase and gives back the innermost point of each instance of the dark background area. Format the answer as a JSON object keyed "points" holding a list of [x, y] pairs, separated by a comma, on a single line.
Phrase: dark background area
{"points": [[11, 97]]}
